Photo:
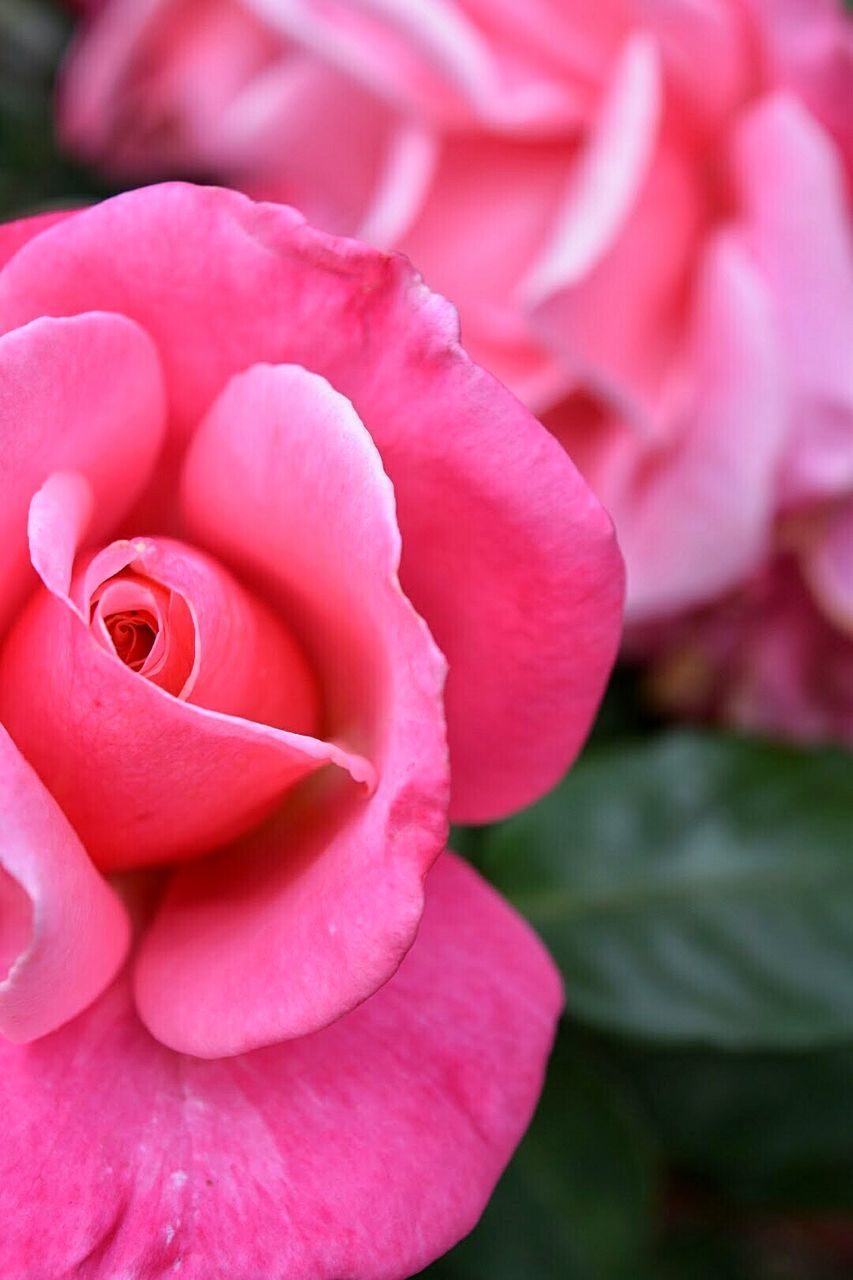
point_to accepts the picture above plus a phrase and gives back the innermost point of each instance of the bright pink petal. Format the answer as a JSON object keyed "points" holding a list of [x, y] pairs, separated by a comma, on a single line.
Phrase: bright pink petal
{"points": [[13, 235], [86, 394], [804, 250], [63, 931], [505, 550], [322, 907], [363, 1151], [142, 776]]}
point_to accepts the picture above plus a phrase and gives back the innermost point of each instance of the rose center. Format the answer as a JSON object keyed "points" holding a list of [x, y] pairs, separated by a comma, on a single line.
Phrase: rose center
{"points": [[133, 633]]}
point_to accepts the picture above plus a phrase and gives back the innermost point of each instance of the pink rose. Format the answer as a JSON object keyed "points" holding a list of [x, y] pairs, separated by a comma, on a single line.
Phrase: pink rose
{"points": [[641, 210], [226, 735]]}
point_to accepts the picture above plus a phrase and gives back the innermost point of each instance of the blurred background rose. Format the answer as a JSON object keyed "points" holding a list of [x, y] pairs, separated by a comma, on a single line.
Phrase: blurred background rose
{"points": [[641, 209]]}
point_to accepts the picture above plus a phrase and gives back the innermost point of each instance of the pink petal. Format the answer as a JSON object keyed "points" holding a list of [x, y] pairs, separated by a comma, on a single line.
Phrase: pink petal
{"points": [[707, 49], [13, 235], [322, 908], [808, 48], [609, 290], [481, 261], [363, 1151], [244, 660], [305, 135], [425, 59], [148, 84], [142, 776], [608, 174], [804, 250], [63, 932], [505, 550], [86, 394], [695, 509]]}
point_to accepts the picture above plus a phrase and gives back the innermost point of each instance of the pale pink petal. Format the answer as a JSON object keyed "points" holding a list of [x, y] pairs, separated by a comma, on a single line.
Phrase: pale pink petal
{"points": [[63, 931], [480, 260], [505, 550], [148, 82], [695, 509], [284, 480], [422, 58], [611, 288], [84, 393], [795, 221], [707, 50], [808, 47], [607, 175], [142, 776], [363, 1151], [305, 135]]}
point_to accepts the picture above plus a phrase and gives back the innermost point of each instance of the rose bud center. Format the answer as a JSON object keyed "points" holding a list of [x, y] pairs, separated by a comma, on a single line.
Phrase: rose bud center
{"points": [[152, 775], [149, 626], [133, 634], [178, 618]]}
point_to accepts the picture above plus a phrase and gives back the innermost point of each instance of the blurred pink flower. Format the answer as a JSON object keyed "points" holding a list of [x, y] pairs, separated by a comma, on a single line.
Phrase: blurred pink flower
{"points": [[238, 1041], [640, 208]]}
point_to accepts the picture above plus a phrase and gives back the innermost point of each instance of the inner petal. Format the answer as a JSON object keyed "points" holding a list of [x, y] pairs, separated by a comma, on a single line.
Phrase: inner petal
{"points": [[133, 634], [149, 626], [16, 922]]}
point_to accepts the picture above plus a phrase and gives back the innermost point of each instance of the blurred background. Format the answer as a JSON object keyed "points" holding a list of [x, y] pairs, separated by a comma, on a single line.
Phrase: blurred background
{"points": [[696, 887]]}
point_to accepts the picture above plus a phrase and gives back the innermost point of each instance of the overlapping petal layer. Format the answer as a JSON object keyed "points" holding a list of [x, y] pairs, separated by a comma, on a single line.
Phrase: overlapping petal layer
{"points": [[63, 931], [516, 560], [83, 393], [365, 1150], [321, 907], [143, 776]]}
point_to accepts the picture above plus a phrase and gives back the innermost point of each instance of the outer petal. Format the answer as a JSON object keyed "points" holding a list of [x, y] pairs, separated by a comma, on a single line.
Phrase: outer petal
{"points": [[284, 479], [144, 777], [363, 1151], [63, 932], [15, 234], [86, 394], [506, 552]]}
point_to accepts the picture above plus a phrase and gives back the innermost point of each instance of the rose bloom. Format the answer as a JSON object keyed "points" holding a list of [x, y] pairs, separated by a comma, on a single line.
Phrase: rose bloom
{"points": [[237, 1045], [641, 209]]}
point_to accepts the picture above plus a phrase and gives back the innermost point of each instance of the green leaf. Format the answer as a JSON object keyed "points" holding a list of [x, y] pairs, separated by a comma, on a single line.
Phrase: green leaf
{"points": [[766, 1130], [577, 1202], [694, 888]]}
